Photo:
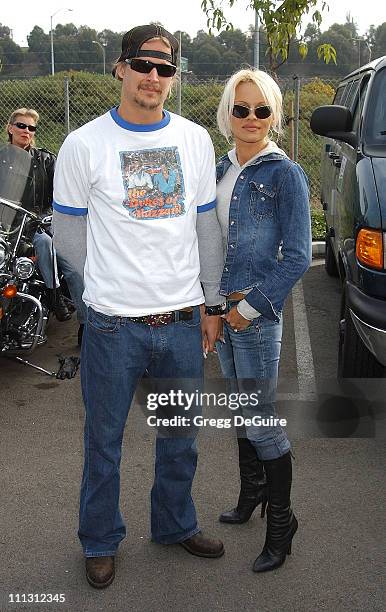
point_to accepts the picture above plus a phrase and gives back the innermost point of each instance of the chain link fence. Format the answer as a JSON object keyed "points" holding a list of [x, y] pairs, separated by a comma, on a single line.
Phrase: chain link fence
{"points": [[67, 101]]}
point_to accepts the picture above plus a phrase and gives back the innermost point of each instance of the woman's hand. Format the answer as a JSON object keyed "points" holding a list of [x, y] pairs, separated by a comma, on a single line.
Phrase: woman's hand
{"points": [[236, 321]]}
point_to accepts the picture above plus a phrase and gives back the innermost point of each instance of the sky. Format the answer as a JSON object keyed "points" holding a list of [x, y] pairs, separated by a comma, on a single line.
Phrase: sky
{"points": [[185, 15]]}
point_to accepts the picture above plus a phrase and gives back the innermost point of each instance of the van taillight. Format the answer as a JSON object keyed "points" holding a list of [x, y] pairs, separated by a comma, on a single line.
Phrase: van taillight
{"points": [[370, 249]]}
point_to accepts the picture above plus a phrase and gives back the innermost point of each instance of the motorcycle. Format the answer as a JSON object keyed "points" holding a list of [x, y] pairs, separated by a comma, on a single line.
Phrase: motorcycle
{"points": [[25, 300]]}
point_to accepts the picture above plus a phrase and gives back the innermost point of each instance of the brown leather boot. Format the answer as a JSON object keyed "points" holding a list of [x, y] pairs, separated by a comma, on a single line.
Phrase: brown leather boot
{"points": [[100, 571], [203, 547]]}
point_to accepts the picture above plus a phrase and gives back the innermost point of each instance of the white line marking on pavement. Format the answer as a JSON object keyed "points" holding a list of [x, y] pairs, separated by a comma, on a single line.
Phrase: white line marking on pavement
{"points": [[304, 358]]}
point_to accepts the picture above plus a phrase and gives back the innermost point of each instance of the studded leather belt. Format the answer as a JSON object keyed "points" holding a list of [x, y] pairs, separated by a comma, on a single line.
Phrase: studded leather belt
{"points": [[164, 318]]}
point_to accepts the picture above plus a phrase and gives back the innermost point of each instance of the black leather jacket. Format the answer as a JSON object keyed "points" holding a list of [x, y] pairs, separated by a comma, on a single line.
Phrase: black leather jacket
{"points": [[42, 175], [34, 192]]}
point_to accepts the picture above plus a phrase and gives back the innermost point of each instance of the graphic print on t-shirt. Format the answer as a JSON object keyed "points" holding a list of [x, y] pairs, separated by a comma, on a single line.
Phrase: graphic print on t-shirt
{"points": [[153, 183]]}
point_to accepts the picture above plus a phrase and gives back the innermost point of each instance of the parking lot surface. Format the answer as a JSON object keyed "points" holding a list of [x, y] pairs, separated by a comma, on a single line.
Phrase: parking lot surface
{"points": [[338, 554]]}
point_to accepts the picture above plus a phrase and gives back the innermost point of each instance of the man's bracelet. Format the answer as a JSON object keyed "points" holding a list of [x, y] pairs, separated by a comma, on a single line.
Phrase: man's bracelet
{"points": [[216, 310]]}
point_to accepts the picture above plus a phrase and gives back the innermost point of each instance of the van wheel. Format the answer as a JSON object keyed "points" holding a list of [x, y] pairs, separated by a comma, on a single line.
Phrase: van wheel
{"points": [[330, 261], [354, 359]]}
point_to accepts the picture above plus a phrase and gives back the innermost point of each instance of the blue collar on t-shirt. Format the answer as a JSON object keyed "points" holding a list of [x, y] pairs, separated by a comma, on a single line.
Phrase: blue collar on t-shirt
{"points": [[140, 127]]}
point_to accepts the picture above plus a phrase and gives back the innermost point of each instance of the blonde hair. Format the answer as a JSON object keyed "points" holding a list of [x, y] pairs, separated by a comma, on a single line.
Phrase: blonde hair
{"points": [[23, 112], [268, 87]]}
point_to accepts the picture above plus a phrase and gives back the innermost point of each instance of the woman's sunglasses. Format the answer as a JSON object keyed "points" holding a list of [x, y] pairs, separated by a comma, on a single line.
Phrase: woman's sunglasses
{"points": [[145, 67], [242, 112], [22, 126]]}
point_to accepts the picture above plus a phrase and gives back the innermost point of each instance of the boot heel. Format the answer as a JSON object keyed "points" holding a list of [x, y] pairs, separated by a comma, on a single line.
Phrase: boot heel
{"points": [[263, 507], [289, 550]]}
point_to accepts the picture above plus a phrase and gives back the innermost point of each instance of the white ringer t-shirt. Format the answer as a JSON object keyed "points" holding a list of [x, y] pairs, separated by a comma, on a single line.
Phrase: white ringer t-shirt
{"points": [[141, 187]]}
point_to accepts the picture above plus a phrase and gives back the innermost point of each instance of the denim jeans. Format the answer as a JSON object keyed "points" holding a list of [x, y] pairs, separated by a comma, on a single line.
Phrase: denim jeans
{"points": [[47, 259], [250, 361], [116, 353]]}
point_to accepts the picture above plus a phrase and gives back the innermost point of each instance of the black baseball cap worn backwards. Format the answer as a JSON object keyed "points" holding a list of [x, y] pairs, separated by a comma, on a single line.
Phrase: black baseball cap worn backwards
{"points": [[133, 40]]}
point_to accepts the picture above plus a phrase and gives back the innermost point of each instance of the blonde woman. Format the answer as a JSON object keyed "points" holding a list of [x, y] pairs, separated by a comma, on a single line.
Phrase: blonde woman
{"points": [[21, 129], [262, 204]]}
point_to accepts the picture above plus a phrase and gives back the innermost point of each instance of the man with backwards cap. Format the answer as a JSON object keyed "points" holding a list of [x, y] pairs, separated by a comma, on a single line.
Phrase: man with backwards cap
{"points": [[149, 254]]}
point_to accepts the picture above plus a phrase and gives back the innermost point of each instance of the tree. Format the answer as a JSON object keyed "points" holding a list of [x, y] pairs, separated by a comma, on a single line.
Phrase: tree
{"points": [[186, 41], [39, 49], [234, 40], [66, 30], [230, 62], [5, 32], [379, 40], [281, 20], [311, 33], [207, 60], [11, 55], [186, 44], [113, 41], [344, 38]]}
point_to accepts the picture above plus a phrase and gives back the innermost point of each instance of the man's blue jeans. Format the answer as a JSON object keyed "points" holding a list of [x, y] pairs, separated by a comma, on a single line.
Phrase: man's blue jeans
{"points": [[250, 361], [116, 353]]}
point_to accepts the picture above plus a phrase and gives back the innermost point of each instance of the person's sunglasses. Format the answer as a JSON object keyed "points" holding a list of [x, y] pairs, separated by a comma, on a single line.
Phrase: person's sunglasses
{"points": [[242, 112], [145, 66], [22, 126]]}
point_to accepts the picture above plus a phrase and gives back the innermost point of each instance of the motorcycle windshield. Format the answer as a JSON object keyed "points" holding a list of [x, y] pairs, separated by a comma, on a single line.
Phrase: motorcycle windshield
{"points": [[16, 186]]}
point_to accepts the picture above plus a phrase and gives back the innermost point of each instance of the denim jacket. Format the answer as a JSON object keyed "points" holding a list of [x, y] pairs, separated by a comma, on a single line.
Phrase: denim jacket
{"points": [[269, 207]]}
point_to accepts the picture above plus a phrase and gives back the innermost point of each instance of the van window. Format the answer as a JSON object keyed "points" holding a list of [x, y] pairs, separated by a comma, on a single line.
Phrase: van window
{"points": [[346, 93], [351, 95], [375, 121], [359, 102], [339, 95]]}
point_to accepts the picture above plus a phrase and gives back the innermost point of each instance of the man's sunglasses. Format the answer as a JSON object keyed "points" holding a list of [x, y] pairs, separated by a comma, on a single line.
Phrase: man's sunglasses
{"points": [[145, 66], [22, 126], [242, 112]]}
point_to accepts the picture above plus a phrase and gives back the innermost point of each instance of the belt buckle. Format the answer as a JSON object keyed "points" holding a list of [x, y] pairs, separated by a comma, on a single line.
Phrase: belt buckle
{"points": [[157, 320]]}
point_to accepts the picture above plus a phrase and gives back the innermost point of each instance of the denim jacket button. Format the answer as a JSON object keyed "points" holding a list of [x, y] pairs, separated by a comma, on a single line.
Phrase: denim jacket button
{"points": [[235, 197], [242, 176], [232, 222], [261, 185], [232, 246], [226, 269]]}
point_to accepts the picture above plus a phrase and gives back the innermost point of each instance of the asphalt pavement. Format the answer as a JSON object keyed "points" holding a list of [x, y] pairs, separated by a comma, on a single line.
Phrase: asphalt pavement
{"points": [[338, 553]]}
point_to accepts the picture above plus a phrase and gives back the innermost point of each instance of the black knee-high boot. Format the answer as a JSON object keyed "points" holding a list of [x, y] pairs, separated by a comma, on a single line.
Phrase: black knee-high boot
{"points": [[253, 488], [281, 521]]}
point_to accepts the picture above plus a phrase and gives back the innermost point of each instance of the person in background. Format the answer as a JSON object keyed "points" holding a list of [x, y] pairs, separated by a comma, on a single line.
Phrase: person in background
{"points": [[21, 129], [262, 207]]}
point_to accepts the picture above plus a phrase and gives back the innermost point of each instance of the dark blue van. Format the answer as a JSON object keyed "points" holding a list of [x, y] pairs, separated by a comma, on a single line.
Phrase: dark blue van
{"points": [[353, 195]]}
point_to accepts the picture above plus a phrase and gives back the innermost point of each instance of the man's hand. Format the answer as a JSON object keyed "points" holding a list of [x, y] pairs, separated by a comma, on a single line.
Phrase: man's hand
{"points": [[236, 320], [211, 329]]}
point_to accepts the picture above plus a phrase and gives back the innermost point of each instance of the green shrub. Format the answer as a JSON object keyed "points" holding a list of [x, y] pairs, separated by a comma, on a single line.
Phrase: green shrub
{"points": [[318, 225]]}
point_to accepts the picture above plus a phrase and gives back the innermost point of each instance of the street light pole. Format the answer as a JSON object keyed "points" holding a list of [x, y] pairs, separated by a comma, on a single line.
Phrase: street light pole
{"points": [[256, 43], [359, 40], [52, 38], [102, 46]]}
